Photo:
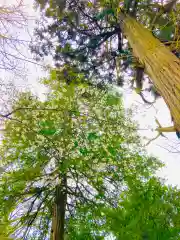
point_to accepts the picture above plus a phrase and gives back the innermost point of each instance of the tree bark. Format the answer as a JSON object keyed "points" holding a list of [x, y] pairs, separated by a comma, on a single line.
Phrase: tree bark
{"points": [[57, 230], [162, 66]]}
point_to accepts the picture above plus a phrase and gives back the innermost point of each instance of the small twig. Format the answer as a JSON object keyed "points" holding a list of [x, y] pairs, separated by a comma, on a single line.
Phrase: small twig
{"points": [[29, 108], [159, 134]]}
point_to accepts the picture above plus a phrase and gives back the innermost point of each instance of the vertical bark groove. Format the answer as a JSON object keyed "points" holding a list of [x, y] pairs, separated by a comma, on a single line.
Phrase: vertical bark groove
{"points": [[161, 65]]}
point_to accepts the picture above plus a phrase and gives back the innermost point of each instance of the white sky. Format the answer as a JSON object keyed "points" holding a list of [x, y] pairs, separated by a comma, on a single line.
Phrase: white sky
{"points": [[161, 148]]}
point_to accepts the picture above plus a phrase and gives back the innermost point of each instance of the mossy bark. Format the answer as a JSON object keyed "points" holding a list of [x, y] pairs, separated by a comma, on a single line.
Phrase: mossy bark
{"points": [[162, 66]]}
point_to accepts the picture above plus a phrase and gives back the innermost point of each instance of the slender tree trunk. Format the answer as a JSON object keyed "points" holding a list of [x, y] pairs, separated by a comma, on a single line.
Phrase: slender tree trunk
{"points": [[57, 230], [162, 66]]}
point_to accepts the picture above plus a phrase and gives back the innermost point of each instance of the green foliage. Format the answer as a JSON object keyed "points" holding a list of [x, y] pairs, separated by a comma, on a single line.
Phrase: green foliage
{"points": [[94, 145], [147, 210], [166, 34], [127, 4], [90, 36], [104, 13]]}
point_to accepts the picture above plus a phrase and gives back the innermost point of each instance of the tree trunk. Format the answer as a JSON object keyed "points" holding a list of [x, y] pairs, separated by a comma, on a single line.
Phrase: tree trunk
{"points": [[162, 66], [57, 230]]}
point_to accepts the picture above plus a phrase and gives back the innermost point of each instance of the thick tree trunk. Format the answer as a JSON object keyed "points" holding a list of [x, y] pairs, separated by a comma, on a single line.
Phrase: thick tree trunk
{"points": [[162, 66], [57, 230]]}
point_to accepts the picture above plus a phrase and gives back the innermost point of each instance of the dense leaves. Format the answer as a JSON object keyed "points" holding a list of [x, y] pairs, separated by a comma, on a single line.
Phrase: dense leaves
{"points": [[148, 210], [78, 137]]}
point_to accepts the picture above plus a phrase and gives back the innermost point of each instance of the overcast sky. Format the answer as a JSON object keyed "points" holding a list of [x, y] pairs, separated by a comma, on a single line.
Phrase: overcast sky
{"points": [[145, 115]]}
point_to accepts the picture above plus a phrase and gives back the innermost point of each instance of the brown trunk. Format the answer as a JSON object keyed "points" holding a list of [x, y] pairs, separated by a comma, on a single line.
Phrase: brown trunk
{"points": [[57, 230], [162, 66]]}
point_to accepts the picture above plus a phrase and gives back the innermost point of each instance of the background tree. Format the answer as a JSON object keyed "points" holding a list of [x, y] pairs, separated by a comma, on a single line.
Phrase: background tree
{"points": [[147, 210], [15, 36], [92, 38], [11, 17], [77, 148]]}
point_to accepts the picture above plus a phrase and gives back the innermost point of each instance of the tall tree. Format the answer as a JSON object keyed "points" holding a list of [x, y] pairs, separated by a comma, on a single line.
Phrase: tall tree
{"points": [[91, 37], [75, 149]]}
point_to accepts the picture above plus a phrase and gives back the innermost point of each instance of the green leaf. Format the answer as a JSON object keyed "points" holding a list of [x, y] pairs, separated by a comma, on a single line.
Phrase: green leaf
{"points": [[46, 123], [164, 22], [112, 151], [50, 12], [76, 144], [73, 16], [83, 151], [53, 75], [61, 5], [138, 90], [104, 13], [127, 4], [92, 136], [90, 4], [166, 34], [47, 131], [112, 100]]}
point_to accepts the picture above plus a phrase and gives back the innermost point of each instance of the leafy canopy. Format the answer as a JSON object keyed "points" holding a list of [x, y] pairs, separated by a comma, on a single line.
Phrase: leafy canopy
{"points": [[78, 132]]}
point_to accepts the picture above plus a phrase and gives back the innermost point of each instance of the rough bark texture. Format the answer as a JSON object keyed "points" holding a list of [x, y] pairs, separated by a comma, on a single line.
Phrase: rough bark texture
{"points": [[57, 231], [162, 66]]}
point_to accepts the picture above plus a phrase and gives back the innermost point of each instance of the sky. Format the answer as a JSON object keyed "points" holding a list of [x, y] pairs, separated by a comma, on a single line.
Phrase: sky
{"points": [[163, 148], [166, 149]]}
